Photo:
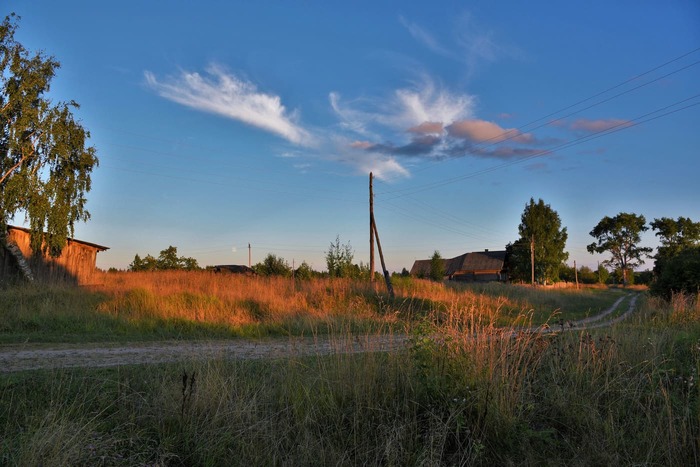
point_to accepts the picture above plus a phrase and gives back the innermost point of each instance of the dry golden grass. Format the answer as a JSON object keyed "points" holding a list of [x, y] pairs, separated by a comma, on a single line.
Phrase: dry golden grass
{"points": [[236, 300]]}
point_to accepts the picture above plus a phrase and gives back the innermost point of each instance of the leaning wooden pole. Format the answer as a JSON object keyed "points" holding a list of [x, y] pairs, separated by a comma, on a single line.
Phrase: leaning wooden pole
{"points": [[371, 230], [532, 259], [381, 257]]}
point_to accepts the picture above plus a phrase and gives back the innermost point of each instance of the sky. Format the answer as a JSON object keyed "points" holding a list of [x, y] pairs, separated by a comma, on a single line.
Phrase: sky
{"points": [[223, 124]]}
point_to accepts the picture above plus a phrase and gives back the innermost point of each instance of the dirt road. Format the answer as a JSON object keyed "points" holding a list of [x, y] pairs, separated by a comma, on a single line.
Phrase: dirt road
{"points": [[20, 357]]}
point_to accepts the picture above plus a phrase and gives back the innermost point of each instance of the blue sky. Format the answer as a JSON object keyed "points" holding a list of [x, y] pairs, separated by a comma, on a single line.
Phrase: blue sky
{"points": [[220, 124]]}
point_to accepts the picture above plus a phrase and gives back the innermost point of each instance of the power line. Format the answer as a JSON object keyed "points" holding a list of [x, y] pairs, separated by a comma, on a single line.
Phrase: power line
{"points": [[515, 132], [613, 129]]}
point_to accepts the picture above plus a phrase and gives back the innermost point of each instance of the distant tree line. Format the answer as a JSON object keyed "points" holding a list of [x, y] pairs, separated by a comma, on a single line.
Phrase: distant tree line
{"points": [[677, 260], [166, 260], [339, 262]]}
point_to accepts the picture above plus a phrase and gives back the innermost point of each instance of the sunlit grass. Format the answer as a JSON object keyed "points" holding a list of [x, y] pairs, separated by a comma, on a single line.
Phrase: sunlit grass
{"points": [[473, 387], [465, 392], [196, 305]]}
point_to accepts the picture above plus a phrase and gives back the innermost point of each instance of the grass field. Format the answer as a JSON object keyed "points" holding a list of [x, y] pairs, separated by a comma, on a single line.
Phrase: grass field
{"points": [[624, 395], [196, 305]]}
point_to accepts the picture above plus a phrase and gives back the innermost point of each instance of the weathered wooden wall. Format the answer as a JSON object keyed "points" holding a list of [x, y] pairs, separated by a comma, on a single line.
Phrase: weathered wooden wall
{"points": [[76, 265]]}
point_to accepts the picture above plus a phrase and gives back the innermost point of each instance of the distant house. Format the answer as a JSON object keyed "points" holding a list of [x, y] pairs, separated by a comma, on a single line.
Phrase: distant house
{"points": [[233, 269], [76, 265], [479, 266]]}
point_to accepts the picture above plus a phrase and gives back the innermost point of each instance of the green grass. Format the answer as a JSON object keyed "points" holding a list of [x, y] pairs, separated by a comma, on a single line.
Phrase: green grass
{"points": [[620, 396], [62, 314], [463, 393], [566, 304], [72, 315]]}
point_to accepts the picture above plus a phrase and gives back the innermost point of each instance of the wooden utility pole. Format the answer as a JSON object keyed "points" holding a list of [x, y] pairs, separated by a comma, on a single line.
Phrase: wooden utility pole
{"points": [[576, 274], [371, 230], [372, 235], [532, 259], [389, 287], [249, 256]]}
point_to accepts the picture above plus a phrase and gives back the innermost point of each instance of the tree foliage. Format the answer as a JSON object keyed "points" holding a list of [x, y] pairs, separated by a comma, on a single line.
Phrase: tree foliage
{"points": [[675, 235], [273, 265], [339, 259], [602, 274], [518, 260], [541, 225], [167, 260], [304, 271], [620, 236], [680, 274], [437, 267], [45, 164], [677, 267]]}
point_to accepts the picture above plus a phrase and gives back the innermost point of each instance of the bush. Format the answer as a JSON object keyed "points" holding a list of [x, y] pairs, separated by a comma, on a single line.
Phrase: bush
{"points": [[680, 274], [273, 265]]}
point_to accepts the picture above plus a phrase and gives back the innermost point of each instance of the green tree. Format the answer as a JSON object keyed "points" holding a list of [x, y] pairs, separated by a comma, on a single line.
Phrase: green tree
{"points": [[437, 267], [567, 273], [167, 260], [540, 226], [676, 235], [273, 265], [45, 164], [602, 274], [304, 272], [681, 274], [339, 259], [620, 236], [586, 275], [136, 264], [518, 260], [189, 264], [148, 263]]}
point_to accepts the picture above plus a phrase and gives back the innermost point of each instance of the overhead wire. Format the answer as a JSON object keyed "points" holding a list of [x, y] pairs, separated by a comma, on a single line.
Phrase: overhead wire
{"points": [[515, 132], [613, 129]]}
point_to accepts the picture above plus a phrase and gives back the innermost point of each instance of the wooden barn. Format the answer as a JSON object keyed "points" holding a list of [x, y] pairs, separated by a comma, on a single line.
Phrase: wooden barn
{"points": [[76, 265], [479, 266]]}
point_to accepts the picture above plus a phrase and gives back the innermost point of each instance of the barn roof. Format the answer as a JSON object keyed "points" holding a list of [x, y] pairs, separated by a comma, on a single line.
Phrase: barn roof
{"points": [[474, 261], [94, 245], [478, 261]]}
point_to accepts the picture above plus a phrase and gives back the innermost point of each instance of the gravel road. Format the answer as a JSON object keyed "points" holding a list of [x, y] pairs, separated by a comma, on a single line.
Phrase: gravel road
{"points": [[20, 357]]}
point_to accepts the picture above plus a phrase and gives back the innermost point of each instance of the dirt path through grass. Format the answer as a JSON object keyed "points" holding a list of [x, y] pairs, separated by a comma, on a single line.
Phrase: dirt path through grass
{"points": [[20, 357]]}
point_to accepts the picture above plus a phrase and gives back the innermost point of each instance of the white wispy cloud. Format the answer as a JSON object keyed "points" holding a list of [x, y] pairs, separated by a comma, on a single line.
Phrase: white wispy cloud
{"points": [[362, 158], [406, 108], [424, 37], [427, 103], [467, 40], [223, 93]]}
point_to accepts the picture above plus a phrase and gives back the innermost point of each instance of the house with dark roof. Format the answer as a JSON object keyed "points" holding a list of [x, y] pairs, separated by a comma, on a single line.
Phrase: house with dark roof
{"points": [[233, 269], [478, 266]]}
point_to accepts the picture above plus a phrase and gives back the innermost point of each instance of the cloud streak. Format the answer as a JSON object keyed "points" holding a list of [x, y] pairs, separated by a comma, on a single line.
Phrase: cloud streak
{"points": [[596, 126], [424, 37], [415, 109], [225, 94], [482, 131]]}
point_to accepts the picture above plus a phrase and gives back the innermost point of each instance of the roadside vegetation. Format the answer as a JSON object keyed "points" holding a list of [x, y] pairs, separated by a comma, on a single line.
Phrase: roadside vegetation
{"points": [[466, 391], [157, 305]]}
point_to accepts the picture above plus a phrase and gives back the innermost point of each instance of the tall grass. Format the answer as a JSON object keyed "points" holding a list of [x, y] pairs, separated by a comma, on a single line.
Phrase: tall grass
{"points": [[467, 391], [166, 305]]}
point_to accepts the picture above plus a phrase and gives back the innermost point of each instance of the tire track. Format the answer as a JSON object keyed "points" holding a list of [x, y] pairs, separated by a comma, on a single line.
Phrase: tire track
{"points": [[23, 357]]}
